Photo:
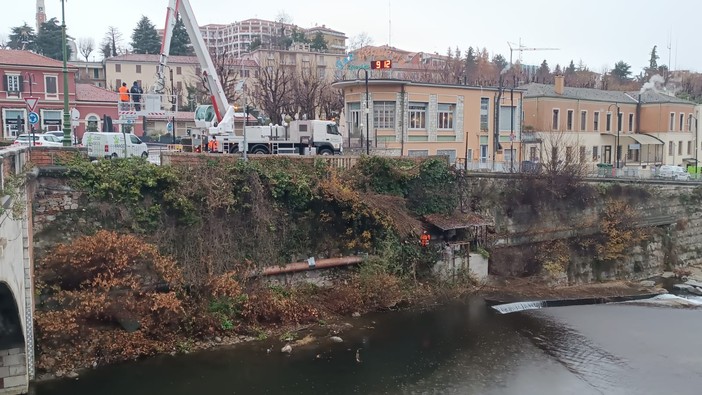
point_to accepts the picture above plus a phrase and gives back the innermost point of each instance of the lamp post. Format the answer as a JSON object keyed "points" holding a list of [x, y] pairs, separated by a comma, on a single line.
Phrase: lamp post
{"points": [[616, 148], [367, 113], [66, 116]]}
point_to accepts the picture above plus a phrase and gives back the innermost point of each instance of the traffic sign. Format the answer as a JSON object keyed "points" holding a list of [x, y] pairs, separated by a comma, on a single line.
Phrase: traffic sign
{"points": [[33, 117], [31, 103], [169, 127]]}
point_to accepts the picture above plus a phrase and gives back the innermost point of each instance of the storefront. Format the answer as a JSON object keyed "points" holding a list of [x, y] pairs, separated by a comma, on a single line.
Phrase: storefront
{"points": [[13, 122], [51, 120]]}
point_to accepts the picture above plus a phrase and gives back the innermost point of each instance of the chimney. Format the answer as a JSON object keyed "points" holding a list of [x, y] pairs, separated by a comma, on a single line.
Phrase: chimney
{"points": [[560, 84]]}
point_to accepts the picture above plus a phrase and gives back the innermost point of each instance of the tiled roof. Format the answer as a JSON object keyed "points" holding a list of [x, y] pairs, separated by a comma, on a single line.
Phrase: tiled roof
{"points": [[544, 90], [144, 58], [659, 97], [88, 92], [27, 58]]}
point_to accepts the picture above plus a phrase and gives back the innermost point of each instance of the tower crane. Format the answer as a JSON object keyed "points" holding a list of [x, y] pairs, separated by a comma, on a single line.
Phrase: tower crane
{"points": [[521, 48]]}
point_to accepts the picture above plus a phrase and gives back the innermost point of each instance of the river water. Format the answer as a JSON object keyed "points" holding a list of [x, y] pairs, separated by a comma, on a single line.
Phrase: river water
{"points": [[460, 349]]}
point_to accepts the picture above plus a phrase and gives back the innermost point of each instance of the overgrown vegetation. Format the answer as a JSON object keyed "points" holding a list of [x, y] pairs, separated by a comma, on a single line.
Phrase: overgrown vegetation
{"points": [[198, 236]]}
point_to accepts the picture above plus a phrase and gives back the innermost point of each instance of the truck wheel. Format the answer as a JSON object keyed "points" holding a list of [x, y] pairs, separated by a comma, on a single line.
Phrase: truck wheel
{"points": [[233, 149], [325, 152], [259, 151], [113, 156], [145, 155]]}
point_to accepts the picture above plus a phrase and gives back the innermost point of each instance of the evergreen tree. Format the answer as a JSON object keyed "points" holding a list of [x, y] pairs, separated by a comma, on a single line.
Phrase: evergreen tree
{"points": [[570, 70], [106, 50], [653, 62], [23, 37], [50, 39], [299, 37], [543, 75], [145, 39], [622, 71], [499, 61], [470, 65], [180, 42], [318, 42], [557, 70]]}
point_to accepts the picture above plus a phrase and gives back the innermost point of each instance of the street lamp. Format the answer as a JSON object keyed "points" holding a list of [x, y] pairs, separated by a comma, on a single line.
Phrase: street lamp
{"points": [[365, 71], [618, 130], [30, 81], [66, 116]]}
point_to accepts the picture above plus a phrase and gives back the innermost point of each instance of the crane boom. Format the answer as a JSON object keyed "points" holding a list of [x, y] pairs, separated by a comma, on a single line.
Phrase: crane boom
{"points": [[222, 110]]}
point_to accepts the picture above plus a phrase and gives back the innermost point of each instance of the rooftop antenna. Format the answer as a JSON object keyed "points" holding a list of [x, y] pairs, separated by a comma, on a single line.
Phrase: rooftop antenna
{"points": [[669, 46], [389, 24]]}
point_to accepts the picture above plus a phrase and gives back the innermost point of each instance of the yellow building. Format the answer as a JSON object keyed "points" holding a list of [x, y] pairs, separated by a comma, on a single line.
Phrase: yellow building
{"points": [[418, 119]]}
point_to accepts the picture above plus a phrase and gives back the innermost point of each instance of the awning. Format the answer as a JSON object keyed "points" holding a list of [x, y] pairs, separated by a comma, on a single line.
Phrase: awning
{"points": [[645, 139], [641, 138]]}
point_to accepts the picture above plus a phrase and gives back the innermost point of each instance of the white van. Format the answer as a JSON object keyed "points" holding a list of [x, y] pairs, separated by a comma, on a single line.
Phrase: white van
{"points": [[673, 172], [112, 145]]}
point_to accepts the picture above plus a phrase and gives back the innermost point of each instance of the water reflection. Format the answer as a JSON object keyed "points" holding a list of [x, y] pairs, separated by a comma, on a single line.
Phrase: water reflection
{"points": [[459, 349]]}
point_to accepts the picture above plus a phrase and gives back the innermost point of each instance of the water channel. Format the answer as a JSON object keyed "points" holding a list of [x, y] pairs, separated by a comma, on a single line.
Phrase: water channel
{"points": [[464, 348]]}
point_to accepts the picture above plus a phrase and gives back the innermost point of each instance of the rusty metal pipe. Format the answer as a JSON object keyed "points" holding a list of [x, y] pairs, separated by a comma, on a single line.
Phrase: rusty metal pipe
{"points": [[304, 266]]}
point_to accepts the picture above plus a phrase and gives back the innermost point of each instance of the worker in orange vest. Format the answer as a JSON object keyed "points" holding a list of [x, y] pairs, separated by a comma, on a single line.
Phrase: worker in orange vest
{"points": [[212, 145], [424, 238], [124, 96]]}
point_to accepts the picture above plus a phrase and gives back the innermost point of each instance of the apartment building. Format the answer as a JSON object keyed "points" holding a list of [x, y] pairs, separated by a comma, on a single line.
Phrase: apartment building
{"points": [[92, 73], [236, 38], [419, 119], [645, 128]]}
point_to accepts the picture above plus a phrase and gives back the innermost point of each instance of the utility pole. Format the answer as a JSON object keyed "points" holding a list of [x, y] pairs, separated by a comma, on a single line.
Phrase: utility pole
{"points": [[66, 115]]}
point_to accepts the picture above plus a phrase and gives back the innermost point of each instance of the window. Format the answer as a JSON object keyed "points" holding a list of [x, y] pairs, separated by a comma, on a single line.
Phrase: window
{"points": [[417, 115], [179, 70], [446, 113], [631, 122], [416, 152], [451, 153], [679, 147], [321, 73], [134, 139], [13, 84], [583, 121], [583, 153], [119, 83], [670, 148], [507, 115], [595, 153], [51, 86], [92, 123], [179, 86], [555, 121], [51, 120], [384, 114], [96, 73], [672, 122], [596, 118], [689, 123], [569, 154], [608, 124], [118, 68], [138, 69], [484, 113], [620, 116], [682, 122], [689, 147], [532, 154], [13, 122], [554, 155], [569, 120]]}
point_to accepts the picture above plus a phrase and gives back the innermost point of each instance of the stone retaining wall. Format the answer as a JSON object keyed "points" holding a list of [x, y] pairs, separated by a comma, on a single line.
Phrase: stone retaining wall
{"points": [[13, 371]]}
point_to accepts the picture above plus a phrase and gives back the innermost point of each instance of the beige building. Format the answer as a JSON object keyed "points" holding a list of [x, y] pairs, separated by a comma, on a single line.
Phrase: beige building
{"points": [[336, 41], [650, 128], [92, 73], [419, 119], [181, 72]]}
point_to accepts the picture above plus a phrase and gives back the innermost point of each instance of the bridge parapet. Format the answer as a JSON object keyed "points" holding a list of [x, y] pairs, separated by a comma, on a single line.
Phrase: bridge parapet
{"points": [[16, 273]]}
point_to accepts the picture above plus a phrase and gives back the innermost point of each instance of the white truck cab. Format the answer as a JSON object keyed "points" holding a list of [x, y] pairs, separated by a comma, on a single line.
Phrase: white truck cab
{"points": [[114, 145]]}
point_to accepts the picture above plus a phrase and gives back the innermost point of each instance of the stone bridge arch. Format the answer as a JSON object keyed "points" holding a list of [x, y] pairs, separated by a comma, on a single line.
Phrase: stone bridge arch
{"points": [[13, 356]]}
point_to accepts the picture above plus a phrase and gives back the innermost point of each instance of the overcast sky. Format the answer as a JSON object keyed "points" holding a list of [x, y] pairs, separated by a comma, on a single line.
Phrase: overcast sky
{"points": [[600, 32]]}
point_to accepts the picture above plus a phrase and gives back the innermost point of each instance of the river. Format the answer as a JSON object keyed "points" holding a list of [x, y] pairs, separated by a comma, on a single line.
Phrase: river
{"points": [[460, 349]]}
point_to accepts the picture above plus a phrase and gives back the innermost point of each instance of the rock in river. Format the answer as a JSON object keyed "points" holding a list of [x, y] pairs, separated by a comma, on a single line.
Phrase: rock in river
{"points": [[287, 349], [337, 339]]}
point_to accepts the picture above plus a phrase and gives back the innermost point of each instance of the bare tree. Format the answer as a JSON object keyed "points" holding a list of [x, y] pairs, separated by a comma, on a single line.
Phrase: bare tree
{"points": [[227, 69], [332, 101], [359, 41], [86, 46], [3, 42], [284, 17], [273, 91], [113, 38], [307, 93]]}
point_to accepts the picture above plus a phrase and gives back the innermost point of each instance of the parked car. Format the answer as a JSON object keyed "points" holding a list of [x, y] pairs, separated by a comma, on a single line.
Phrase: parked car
{"points": [[40, 140], [673, 173], [59, 134]]}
